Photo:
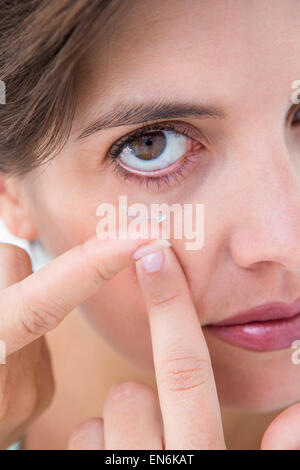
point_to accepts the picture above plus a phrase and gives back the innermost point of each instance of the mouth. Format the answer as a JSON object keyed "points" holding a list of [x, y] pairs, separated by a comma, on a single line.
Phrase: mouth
{"points": [[267, 327]]}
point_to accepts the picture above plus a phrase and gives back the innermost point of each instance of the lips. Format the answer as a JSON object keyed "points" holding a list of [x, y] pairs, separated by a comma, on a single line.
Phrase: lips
{"points": [[267, 327]]}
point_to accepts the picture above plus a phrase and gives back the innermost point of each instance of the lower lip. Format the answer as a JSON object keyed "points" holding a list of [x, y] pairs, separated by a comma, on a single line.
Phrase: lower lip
{"points": [[260, 336]]}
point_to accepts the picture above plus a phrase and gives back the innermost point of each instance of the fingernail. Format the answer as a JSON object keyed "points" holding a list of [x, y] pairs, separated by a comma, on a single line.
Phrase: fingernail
{"points": [[150, 248], [152, 263]]}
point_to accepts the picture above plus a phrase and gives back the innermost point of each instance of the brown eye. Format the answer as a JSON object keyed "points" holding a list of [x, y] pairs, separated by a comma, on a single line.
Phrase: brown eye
{"points": [[154, 150], [148, 146]]}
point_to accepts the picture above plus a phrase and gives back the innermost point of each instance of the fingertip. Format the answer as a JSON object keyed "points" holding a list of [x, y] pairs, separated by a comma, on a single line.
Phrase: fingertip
{"points": [[153, 262], [88, 435]]}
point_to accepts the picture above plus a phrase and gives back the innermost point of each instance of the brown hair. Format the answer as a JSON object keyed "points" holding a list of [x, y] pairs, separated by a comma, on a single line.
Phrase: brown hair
{"points": [[41, 43]]}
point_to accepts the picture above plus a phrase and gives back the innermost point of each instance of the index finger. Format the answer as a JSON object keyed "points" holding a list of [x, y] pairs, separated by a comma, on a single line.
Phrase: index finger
{"points": [[185, 380], [38, 303]]}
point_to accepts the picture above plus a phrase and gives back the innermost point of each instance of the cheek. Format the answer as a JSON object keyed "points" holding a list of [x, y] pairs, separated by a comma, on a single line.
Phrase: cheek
{"points": [[206, 271], [62, 230], [63, 221], [118, 314]]}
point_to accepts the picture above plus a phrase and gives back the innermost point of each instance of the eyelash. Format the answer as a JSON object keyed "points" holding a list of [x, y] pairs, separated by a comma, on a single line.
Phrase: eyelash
{"points": [[180, 128]]}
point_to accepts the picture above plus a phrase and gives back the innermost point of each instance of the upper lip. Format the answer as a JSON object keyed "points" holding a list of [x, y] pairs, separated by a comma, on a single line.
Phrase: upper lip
{"points": [[265, 312]]}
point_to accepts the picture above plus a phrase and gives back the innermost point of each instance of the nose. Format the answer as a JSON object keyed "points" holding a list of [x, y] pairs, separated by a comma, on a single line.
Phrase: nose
{"points": [[267, 226]]}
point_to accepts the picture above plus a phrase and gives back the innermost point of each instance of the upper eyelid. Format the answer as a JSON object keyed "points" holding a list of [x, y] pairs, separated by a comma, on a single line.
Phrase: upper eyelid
{"points": [[169, 125], [151, 125]]}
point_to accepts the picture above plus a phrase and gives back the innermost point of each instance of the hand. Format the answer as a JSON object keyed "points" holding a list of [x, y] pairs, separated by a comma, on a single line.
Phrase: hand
{"points": [[186, 413], [31, 304]]}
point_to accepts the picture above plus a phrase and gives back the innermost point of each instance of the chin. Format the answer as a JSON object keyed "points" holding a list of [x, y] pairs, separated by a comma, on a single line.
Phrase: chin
{"points": [[251, 381]]}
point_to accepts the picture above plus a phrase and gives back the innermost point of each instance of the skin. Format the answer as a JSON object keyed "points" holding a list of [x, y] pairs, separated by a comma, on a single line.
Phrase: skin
{"points": [[245, 66]]}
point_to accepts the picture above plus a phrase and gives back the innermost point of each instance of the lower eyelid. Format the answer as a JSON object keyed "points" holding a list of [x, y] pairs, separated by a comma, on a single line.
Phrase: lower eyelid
{"points": [[163, 177], [150, 173]]}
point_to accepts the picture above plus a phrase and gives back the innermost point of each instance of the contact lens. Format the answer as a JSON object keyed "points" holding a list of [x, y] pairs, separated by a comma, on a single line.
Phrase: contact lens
{"points": [[156, 219]]}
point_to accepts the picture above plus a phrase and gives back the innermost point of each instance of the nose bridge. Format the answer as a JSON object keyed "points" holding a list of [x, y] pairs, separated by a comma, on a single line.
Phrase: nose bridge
{"points": [[269, 230]]}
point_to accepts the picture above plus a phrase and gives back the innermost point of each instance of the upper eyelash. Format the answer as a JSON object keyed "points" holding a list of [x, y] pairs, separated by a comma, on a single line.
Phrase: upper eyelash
{"points": [[118, 146]]}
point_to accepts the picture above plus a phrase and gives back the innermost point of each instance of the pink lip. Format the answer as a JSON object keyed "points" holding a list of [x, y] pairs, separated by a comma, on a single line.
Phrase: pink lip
{"points": [[266, 327]]}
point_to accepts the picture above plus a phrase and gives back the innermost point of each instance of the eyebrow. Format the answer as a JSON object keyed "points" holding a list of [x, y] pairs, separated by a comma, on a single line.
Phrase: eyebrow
{"points": [[129, 114]]}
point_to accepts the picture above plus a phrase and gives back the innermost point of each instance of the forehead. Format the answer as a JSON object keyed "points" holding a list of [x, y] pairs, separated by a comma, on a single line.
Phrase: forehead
{"points": [[196, 48]]}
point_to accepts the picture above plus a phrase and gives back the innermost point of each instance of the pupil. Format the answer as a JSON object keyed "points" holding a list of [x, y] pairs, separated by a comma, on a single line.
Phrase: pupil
{"points": [[149, 146]]}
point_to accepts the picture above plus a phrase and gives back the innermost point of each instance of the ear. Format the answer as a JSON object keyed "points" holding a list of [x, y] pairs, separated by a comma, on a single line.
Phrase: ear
{"points": [[14, 210]]}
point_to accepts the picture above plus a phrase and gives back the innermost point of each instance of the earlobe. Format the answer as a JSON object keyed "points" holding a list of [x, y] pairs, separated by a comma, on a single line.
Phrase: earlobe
{"points": [[14, 211]]}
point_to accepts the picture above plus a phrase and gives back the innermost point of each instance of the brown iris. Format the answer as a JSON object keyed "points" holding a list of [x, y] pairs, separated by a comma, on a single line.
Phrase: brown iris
{"points": [[148, 146]]}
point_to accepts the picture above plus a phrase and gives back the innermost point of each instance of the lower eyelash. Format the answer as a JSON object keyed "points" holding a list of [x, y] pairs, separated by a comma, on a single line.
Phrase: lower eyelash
{"points": [[157, 181]]}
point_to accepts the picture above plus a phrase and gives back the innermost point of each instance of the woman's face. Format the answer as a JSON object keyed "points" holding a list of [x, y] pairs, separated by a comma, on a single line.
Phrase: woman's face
{"points": [[239, 60]]}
